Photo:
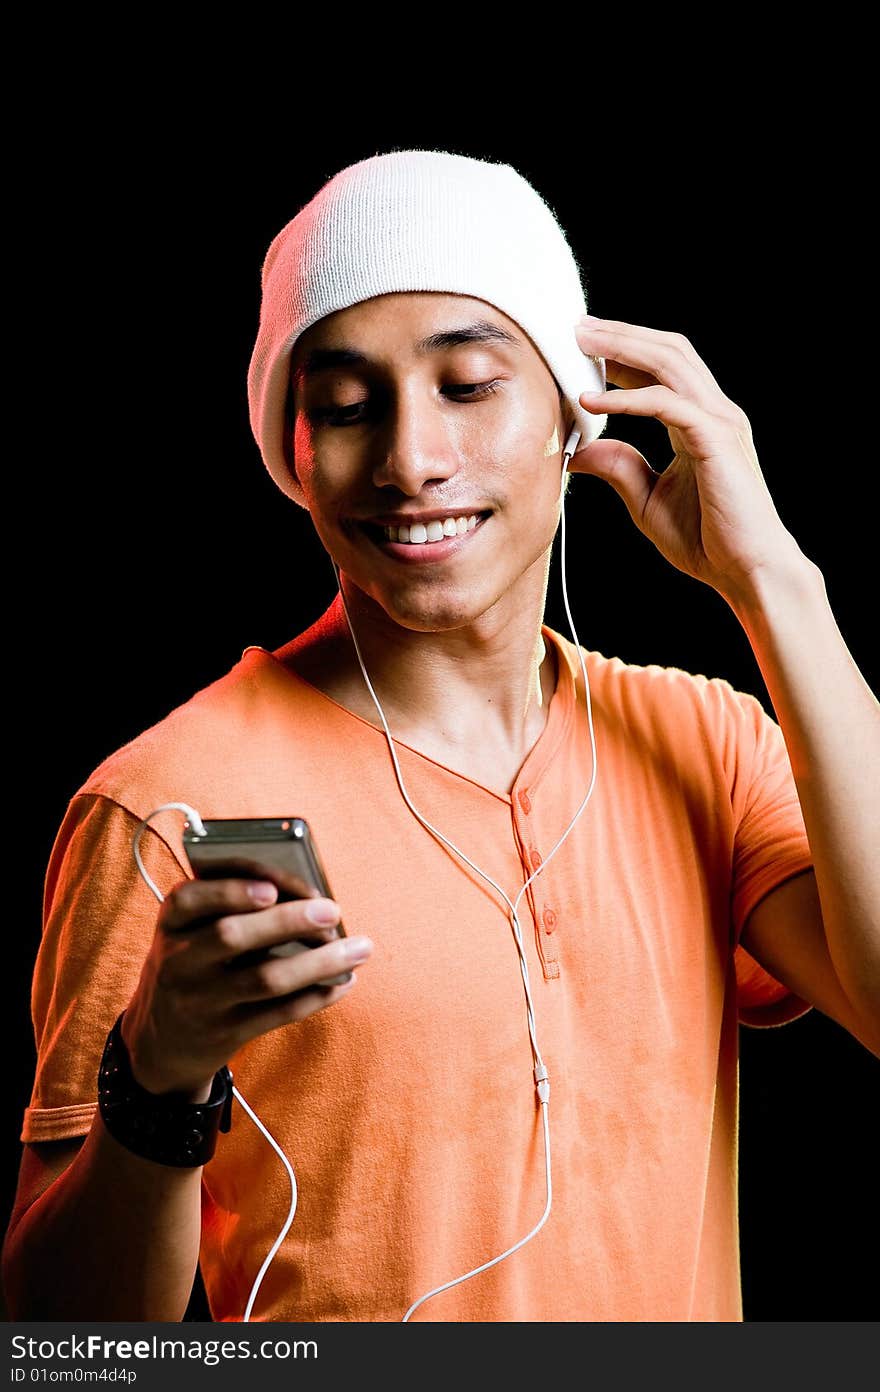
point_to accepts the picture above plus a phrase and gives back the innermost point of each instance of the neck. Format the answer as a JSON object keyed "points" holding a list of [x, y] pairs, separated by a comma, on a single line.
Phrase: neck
{"points": [[487, 684]]}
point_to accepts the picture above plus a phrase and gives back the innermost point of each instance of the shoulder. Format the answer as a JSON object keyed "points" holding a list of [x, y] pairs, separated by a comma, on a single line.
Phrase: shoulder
{"points": [[665, 699], [235, 719]]}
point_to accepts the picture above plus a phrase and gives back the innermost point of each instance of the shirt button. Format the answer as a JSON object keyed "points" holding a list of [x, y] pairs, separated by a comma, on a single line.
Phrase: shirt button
{"points": [[536, 859], [525, 802], [549, 920]]}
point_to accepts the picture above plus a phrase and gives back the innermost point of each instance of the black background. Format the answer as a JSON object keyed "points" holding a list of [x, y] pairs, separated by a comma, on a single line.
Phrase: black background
{"points": [[156, 546]]}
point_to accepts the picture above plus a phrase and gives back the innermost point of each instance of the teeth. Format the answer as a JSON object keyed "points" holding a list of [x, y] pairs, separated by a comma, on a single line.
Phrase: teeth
{"points": [[431, 531]]}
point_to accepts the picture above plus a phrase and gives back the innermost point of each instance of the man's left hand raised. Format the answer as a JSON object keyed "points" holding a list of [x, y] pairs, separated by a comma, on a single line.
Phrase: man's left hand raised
{"points": [[709, 512]]}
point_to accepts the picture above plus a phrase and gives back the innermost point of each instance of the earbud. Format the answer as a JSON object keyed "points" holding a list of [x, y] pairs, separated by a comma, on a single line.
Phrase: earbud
{"points": [[571, 444]]}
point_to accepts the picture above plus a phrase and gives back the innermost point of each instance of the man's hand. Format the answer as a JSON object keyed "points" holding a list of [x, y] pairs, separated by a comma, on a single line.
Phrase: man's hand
{"points": [[710, 512], [201, 995]]}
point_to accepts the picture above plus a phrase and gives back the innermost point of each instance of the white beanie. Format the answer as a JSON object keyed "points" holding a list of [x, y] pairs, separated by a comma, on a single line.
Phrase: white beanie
{"points": [[418, 220]]}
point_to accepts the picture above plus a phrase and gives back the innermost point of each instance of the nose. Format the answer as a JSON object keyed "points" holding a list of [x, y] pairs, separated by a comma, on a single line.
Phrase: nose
{"points": [[414, 448]]}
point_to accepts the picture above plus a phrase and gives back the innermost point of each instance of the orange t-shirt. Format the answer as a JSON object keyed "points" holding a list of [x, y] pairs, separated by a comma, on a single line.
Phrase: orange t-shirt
{"points": [[408, 1109]]}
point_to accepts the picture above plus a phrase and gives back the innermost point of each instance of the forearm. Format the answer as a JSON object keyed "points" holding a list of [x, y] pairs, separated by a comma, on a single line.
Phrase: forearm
{"points": [[831, 723], [115, 1237]]}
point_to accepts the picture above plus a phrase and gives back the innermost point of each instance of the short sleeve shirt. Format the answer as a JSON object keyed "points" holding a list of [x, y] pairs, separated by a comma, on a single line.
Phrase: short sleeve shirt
{"points": [[408, 1110]]}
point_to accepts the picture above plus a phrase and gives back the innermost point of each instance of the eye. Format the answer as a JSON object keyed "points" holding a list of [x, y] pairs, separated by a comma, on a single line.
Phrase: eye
{"points": [[484, 388], [337, 415]]}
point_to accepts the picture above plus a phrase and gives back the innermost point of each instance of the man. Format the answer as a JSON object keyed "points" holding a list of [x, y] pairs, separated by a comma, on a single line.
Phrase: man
{"points": [[681, 862]]}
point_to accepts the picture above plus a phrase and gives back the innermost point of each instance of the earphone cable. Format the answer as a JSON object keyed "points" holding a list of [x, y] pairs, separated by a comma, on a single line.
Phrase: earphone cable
{"points": [[540, 1072]]}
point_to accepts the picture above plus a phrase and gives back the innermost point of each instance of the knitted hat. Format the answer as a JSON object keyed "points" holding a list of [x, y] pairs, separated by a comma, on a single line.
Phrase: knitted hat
{"points": [[418, 220]]}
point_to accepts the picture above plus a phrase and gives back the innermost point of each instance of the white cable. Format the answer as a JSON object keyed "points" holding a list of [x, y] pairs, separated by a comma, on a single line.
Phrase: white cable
{"points": [[516, 1246], [540, 1071], [199, 828], [288, 1220], [542, 1082]]}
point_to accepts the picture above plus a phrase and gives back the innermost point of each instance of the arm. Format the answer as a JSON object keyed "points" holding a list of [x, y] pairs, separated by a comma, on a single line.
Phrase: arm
{"points": [[820, 932], [89, 1216], [711, 515], [107, 1234], [129, 1228]]}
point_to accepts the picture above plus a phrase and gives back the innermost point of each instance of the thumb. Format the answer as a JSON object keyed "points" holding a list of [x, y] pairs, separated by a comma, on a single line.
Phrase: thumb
{"points": [[625, 468]]}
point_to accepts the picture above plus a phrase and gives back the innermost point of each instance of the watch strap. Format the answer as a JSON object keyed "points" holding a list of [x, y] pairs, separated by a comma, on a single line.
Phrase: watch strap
{"points": [[164, 1127]]}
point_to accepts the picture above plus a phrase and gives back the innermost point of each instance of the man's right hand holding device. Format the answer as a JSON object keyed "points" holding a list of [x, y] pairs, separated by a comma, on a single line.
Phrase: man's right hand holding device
{"points": [[196, 1003]]}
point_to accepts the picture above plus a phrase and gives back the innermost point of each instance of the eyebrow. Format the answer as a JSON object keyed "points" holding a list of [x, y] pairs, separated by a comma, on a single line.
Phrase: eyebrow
{"points": [[481, 331]]}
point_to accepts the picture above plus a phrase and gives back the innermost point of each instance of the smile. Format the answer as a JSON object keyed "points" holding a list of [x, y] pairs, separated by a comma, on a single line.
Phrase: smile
{"points": [[423, 542], [420, 532]]}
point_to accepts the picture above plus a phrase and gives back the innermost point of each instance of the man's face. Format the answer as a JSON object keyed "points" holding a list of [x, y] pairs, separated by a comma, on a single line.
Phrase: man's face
{"points": [[382, 423]]}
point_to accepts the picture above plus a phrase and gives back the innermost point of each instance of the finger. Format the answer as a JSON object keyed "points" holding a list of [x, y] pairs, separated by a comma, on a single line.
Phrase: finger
{"points": [[281, 976], [669, 358], [193, 903], [661, 402], [626, 469], [620, 326], [235, 934], [251, 867], [270, 1015], [622, 376]]}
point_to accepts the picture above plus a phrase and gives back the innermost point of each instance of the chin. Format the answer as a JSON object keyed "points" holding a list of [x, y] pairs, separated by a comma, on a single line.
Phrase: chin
{"points": [[437, 614], [424, 609]]}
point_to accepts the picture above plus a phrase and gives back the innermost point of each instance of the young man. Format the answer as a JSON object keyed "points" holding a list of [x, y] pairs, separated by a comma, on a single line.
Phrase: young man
{"points": [[680, 861]]}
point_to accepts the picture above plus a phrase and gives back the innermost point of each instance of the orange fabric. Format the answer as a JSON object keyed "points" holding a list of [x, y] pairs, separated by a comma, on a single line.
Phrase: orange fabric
{"points": [[408, 1110]]}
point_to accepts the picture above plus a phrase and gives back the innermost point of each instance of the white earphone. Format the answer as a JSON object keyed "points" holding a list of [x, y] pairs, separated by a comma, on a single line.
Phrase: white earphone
{"points": [[541, 1079]]}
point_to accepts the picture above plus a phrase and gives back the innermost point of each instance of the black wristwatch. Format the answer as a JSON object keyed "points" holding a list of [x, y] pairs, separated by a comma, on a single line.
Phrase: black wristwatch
{"points": [[164, 1127]]}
